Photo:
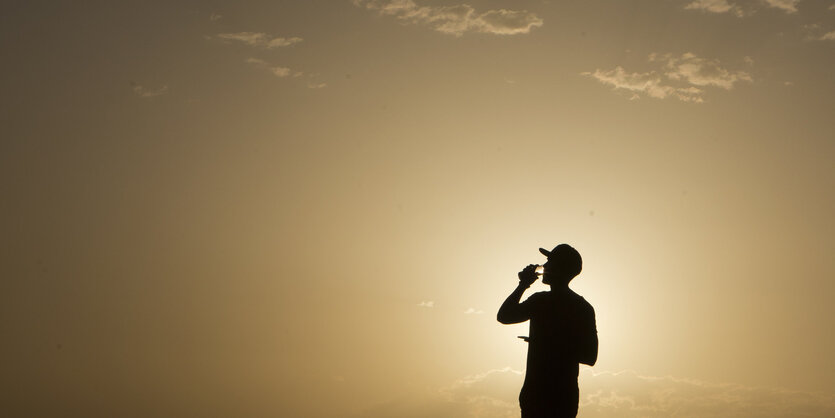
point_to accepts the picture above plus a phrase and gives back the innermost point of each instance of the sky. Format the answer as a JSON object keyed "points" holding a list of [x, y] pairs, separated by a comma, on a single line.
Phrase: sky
{"points": [[315, 208]]}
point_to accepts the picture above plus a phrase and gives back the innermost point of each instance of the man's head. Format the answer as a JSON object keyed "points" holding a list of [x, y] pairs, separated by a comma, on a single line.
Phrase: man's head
{"points": [[564, 263]]}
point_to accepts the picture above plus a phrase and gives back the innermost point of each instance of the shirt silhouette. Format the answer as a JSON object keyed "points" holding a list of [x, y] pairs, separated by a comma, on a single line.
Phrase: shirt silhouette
{"points": [[563, 334]]}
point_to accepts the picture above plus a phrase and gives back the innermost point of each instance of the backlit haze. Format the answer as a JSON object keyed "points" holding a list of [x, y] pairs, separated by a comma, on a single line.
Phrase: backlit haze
{"points": [[315, 208]]}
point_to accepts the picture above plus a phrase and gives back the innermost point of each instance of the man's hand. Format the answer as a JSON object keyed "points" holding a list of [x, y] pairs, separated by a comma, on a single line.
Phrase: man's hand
{"points": [[528, 275]]}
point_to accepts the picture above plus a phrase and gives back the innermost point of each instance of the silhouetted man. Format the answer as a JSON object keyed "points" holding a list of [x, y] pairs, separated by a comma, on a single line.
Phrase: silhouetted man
{"points": [[563, 334]]}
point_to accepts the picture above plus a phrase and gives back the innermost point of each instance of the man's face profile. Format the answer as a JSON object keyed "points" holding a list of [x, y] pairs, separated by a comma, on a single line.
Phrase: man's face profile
{"points": [[549, 268], [558, 269]]}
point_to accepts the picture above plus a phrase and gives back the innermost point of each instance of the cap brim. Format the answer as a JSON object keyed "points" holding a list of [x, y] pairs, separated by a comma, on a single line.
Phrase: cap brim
{"points": [[545, 252]]}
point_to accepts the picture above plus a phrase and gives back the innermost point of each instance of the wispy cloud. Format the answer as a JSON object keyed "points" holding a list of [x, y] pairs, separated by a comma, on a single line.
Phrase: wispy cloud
{"points": [[284, 72], [788, 6], [146, 93], [426, 304], [740, 10], [493, 393], [683, 77], [700, 71], [473, 311], [457, 19], [259, 39], [815, 32], [214, 17], [650, 83], [715, 6], [628, 394], [278, 71], [624, 394]]}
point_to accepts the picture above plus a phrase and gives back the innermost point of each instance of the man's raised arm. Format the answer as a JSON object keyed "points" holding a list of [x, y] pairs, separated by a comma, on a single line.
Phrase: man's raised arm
{"points": [[511, 311]]}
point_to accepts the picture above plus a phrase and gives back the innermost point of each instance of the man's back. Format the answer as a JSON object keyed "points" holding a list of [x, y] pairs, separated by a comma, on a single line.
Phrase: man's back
{"points": [[562, 334]]}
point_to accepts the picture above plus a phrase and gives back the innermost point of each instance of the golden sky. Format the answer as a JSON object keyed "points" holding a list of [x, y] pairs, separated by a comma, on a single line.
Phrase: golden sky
{"points": [[315, 208]]}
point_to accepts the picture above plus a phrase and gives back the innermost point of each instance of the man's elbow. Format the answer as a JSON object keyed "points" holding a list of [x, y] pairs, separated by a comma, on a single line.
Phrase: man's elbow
{"points": [[589, 359], [507, 318]]}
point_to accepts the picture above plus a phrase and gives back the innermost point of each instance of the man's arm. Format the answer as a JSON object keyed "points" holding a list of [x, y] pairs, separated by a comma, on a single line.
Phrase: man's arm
{"points": [[588, 340], [511, 311]]}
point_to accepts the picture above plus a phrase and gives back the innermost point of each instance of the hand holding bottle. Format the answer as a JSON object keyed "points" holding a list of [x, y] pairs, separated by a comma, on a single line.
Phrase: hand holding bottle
{"points": [[528, 275]]}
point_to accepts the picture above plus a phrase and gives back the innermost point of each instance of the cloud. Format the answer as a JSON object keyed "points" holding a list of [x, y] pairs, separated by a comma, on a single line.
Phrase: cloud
{"points": [[814, 32], [789, 6], [214, 17], [259, 39], [715, 6], [493, 393], [457, 19], [699, 71], [683, 77], [628, 394], [147, 93], [832, 7], [426, 304], [283, 72], [506, 22], [473, 311], [725, 6], [623, 394], [278, 71], [648, 83]]}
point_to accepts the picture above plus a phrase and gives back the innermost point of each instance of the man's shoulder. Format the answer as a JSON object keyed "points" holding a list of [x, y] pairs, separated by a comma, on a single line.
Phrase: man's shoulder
{"points": [[581, 301], [585, 306], [538, 297]]}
